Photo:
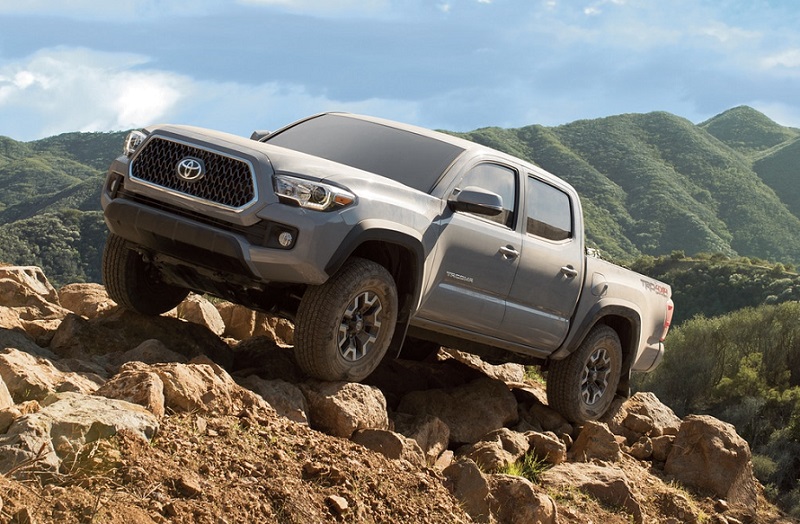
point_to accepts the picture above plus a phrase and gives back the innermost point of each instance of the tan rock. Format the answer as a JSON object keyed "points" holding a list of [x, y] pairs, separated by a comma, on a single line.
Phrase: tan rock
{"points": [[286, 398], [497, 449], [608, 484], [509, 373], [341, 408], [662, 446], [515, 500], [33, 378], [203, 387], [137, 386], [430, 433], [470, 487], [709, 455], [278, 329], [88, 300], [197, 309], [390, 444], [9, 318], [5, 397], [66, 423], [547, 447], [595, 441], [240, 322], [470, 411], [27, 290]]}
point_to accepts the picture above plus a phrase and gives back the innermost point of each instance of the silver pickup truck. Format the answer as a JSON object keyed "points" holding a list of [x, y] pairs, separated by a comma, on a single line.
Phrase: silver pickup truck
{"points": [[380, 238]]}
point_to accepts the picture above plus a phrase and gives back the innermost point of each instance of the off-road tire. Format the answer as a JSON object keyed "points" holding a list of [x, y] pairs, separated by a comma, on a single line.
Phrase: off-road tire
{"points": [[344, 326], [582, 386], [133, 284]]}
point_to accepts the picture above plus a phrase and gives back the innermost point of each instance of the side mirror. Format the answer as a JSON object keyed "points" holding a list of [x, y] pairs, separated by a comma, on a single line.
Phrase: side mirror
{"points": [[476, 200], [259, 135]]}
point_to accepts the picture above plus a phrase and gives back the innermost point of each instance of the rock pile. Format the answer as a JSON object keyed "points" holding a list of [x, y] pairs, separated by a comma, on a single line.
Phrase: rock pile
{"points": [[75, 370]]}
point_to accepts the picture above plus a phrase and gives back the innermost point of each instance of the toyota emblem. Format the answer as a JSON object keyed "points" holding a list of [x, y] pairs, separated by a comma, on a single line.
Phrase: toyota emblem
{"points": [[190, 169]]}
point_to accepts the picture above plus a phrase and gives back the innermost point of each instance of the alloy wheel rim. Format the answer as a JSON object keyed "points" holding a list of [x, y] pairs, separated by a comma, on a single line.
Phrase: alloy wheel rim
{"points": [[360, 326], [594, 380]]}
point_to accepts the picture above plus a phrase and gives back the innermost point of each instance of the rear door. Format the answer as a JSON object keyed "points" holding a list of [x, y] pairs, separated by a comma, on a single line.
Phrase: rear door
{"points": [[549, 277], [476, 257]]}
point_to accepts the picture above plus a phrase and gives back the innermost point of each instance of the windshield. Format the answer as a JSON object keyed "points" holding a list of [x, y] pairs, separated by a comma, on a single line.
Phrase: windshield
{"points": [[411, 159]]}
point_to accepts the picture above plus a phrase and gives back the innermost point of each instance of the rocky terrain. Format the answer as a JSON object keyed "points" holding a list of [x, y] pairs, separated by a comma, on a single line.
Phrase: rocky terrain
{"points": [[202, 416]]}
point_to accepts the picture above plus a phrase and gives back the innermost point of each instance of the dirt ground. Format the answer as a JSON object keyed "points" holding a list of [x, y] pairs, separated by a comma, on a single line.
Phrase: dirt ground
{"points": [[230, 470]]}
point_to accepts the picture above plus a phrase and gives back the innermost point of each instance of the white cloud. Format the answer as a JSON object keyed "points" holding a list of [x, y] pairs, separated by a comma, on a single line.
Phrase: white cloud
{"points": [[69, 89], [725, 33], [789, 58]]}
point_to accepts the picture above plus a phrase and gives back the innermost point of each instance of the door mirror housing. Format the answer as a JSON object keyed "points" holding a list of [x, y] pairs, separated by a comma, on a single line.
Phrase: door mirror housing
{"points": [[473, 199]]}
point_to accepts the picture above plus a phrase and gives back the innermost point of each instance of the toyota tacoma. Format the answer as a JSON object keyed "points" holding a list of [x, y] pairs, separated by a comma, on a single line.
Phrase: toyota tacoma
{"points": [[379, 238]]}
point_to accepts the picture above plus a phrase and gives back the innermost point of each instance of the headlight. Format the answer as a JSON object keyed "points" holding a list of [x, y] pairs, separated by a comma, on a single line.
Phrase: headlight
{"points": [[311, 195], [133, 141]]}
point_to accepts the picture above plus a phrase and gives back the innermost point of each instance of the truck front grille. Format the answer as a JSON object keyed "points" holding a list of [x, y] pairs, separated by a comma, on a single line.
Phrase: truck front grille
{"points": [[226, 181]]}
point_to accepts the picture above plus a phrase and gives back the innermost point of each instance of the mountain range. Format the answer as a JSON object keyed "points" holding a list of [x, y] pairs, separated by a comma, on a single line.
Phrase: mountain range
{"points": [[651, 184]]}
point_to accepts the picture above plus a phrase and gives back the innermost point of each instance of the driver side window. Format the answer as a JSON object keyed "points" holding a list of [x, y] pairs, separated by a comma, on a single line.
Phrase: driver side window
{"points": [[497, 179]]}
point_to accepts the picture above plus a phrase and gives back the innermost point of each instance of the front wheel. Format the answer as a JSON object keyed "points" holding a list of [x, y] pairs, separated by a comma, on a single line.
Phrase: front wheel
{"points": [[582, 386], [344, 326], [132, 283]]}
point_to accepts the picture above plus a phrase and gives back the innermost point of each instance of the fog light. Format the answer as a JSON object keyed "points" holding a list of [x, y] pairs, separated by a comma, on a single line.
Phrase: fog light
{"points": [[285, 239]]}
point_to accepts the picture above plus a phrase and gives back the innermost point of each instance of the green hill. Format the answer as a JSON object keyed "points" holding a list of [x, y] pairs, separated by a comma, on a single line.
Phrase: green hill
{"points": [[746, 130], [650, 183]]}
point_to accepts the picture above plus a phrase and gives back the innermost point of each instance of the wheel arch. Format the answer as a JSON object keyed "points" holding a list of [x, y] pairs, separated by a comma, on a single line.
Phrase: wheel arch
{"points": [[625, 321], [401, 253]]}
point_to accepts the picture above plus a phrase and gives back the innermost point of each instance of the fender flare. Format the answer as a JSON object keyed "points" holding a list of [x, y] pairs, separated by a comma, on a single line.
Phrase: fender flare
{"points": [[595, 316]]}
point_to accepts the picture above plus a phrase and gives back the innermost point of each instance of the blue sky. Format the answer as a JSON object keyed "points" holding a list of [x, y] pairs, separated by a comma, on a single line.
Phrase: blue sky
{"points": [[239, 65]]}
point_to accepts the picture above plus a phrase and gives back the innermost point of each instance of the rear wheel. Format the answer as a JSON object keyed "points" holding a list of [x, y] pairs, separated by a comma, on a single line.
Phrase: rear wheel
{"points": [[133, 283], [344, 326], [582, 386]]}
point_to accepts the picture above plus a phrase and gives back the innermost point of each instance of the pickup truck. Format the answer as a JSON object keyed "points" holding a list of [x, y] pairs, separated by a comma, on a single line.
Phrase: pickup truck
{"points": [[377, 239]]}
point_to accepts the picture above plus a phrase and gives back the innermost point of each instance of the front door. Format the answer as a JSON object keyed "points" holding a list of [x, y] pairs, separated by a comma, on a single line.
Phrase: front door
{"points": [[476, 258]]}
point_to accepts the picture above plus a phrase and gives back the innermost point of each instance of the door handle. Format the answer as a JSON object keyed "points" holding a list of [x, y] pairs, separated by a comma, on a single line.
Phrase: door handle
{"points": [[569, 271], [509, 253]]}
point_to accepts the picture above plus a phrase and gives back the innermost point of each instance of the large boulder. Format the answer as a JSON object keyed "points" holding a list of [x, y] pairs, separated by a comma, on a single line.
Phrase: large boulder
{"points": [[66, 424], [595, 441], [88, 300], [547, 447], [138, 386], [390, 444], [198, 310], [430, 433], [28, 377], [28, 302], [470, 487], [515, 500], [123, 329], [709, 455], [642, 415], [201, 386], [509, 373], [608, 484], [286, 398], [242, 323], [470, 411], [341, 408], [27, 290], [497, 450]]}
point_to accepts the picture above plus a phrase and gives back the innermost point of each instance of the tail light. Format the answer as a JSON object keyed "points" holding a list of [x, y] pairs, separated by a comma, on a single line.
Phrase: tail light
{"points": [[667, 319]]}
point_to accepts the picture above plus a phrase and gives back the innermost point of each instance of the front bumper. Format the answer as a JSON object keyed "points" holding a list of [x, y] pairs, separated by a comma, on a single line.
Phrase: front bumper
{"points": [[199, 244]]}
